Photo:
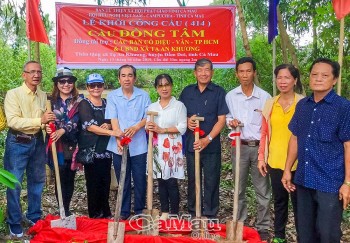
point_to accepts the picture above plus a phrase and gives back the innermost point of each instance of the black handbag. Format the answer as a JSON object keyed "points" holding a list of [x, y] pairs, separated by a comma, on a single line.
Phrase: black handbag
{"points": [[85, 155]]}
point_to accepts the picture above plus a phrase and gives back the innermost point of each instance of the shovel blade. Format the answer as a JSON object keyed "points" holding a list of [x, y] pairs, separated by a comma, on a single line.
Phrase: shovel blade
{"points": [[68, 223], [119, 236]]}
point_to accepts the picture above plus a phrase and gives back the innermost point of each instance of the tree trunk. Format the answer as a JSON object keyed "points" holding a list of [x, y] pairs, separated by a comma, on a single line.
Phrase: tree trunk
{"points": [[314, 38], [243, 29], [283, 38], [286, 39]]}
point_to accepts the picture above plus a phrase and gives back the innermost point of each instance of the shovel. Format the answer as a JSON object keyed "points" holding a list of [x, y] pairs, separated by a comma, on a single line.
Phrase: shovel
{"points": [[150, 222], [64, 222], [116, 229], [199, 225], [234, 228]]}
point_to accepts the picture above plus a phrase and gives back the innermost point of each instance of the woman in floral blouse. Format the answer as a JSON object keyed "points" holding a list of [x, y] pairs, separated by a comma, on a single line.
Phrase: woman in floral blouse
{"points": [[65, 101], [168, 126]]}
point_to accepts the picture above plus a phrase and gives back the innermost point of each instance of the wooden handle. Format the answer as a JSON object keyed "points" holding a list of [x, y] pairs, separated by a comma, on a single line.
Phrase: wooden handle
{"points": [[57, 171], [237, 169], [121, 183], [150, 163], [197, 170]]}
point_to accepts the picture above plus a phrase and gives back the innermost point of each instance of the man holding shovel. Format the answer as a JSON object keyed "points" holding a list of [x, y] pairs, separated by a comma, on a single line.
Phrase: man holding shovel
{"points": [[245, 104], [25, 149], [127, 107], [321, 142], [204, 99]]}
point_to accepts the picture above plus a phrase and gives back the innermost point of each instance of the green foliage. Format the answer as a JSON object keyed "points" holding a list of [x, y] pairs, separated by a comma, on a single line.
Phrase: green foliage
{"points": [[8, 179]]}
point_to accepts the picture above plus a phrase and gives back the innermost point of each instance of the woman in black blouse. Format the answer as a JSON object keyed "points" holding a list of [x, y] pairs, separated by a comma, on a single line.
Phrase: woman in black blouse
{"points": [[95, 132]]}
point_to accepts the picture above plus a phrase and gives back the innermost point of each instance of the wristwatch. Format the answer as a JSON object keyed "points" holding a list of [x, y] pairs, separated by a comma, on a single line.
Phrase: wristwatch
{"points": [[210, 138]]}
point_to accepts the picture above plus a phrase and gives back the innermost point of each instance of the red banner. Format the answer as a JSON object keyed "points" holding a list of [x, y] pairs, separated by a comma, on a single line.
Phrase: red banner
{"points": [[104, 36]]}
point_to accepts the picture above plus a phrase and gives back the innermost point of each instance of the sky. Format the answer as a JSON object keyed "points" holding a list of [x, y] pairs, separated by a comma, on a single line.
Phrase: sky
{"points": [[48, 6]]}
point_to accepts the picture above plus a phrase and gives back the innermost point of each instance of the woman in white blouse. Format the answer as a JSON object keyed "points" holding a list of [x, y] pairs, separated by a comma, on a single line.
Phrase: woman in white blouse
{"points": [[168, 161]]}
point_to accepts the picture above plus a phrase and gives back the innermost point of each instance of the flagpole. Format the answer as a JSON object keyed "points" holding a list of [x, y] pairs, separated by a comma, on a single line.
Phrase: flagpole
{"points": [[340, 54], [29, 51], [273, 66]]}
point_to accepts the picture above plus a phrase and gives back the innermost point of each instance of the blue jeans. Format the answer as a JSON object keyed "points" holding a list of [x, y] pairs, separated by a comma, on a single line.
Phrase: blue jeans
{"points": [[319, 216], [29, 158], [135, 167]]}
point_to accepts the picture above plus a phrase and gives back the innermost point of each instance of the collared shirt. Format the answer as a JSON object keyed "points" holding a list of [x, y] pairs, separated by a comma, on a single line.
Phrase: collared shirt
{"points": [[24, 108], [247, 110], [321, 129], [129, 112], [208, 104]]}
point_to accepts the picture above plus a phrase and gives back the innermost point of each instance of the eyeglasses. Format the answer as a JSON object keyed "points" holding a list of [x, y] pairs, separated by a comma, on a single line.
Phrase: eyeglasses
{"points": [[160, 86], [65, 81], [33, 72], [96, 85]]}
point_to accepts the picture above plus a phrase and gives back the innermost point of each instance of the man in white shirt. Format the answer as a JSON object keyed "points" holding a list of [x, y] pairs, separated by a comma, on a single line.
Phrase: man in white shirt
{"points": [[245, 104]]}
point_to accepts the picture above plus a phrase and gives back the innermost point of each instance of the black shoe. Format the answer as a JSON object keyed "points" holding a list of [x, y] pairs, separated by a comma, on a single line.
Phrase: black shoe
{"points": [[264, 235]]}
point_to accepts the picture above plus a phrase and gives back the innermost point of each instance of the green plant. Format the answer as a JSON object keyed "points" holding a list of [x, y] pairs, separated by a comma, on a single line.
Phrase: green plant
{"points": [[8, 179]]}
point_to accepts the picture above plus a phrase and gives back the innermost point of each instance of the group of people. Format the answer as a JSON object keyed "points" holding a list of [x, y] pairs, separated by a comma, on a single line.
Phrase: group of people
{"points": [[301, 143]]}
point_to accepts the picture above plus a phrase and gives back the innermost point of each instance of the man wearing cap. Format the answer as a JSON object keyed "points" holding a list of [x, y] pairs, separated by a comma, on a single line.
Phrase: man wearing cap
{"points": [[65, 101], [127, 107], [25, 149]]}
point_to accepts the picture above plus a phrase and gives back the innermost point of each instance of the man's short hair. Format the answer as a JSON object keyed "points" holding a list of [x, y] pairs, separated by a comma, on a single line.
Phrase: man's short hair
{"points": [[201, 62], [335, 65], [244, 60], [29, 62], [127, 66]]}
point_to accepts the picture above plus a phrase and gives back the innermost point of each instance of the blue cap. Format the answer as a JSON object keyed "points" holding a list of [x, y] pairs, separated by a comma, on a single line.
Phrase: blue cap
{"points": [[94, 78]]}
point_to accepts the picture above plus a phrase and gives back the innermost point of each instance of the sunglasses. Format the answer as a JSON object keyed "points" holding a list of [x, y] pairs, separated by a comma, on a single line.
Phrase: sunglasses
{"points": [[65, 81], [96, 85]]}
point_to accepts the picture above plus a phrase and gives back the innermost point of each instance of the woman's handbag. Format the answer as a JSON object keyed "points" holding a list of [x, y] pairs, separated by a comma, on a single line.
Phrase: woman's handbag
{"points": [[85, 155]]}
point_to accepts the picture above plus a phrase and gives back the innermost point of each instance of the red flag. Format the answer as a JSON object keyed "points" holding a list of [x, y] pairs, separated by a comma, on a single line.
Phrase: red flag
{"points": [[35, 26], [341, 8]]}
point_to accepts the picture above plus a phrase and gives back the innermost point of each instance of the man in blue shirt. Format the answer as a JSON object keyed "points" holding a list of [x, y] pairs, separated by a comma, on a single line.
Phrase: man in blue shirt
{"points": [[321, 141], [204, 99], [126, 107]]}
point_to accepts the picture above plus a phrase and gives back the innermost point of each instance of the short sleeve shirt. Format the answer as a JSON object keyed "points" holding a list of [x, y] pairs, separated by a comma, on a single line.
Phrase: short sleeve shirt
{"points": [[321, 129], [208, 104], [129, 112]]}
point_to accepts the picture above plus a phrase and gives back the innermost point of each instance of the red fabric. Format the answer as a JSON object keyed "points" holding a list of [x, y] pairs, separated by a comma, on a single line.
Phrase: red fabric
{"points": [[95, 231], [201, 132], [53, 129], [341, 8], [34, 24], [125, 141]]}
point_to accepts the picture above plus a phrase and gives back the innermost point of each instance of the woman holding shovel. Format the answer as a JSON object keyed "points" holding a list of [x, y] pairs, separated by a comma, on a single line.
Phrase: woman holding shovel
{"points": [[93, 139], [168, 162], [65, 101], [273, 147]]}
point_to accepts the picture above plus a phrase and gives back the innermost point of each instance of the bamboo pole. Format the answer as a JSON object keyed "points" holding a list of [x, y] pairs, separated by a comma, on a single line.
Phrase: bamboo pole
{"points": [[340, 54]]}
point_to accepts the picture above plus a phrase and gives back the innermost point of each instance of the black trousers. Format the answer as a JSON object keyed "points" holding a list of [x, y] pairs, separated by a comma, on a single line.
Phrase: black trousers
{"points": [[67, 177], [98, 180], [281, 199], [210, 165], [169, 192]]}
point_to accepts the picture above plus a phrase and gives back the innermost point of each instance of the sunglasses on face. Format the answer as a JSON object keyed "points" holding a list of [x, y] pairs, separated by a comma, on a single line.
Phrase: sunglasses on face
{"points": [[96, 85], [161, 86], [64, 81]]}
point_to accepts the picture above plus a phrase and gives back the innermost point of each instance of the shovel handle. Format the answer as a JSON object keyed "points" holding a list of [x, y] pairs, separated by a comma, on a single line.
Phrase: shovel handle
{"points": [[197, 170], [121, 183], [150, 163], [57, 172], [237, 169]]}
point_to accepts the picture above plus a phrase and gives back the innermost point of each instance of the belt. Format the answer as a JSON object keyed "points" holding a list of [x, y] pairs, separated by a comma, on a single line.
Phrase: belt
{"points": [[250, 143], [30, 136]]}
